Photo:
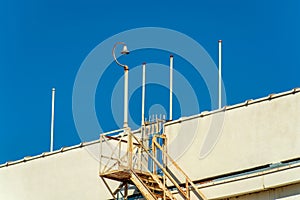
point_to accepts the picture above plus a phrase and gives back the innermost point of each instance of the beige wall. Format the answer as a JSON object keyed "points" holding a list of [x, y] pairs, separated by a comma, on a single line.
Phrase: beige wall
{"points": [[68, 175], [250, 136], [290, 192]]}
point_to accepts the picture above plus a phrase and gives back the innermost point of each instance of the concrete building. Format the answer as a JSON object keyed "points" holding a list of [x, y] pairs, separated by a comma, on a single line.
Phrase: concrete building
{"points": [[245, 151]]}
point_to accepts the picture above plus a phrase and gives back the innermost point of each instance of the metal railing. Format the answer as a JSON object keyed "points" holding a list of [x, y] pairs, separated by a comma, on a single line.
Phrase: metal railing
{"points": [[142, 155]]}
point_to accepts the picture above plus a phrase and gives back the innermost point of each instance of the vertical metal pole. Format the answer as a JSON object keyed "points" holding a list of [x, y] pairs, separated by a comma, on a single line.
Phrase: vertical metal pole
{"points": [[171, 87], [220, 74], [154, 154], [129, 148], [120, 151], [126, 191], [52, 121], [100, 164], [143, 109], [125, 125], [127, 129], [143, 94]]}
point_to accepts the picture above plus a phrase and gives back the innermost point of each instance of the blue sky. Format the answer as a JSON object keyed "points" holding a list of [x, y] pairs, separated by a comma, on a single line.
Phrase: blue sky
{"points": [[43, 44]]}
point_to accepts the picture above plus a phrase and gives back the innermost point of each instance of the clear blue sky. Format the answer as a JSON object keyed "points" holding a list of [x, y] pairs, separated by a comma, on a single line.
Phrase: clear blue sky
{"points": [[43, 43]]}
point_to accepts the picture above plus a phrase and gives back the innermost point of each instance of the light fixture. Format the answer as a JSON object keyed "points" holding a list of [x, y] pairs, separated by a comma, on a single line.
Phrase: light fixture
{"points": [[124, 51]]}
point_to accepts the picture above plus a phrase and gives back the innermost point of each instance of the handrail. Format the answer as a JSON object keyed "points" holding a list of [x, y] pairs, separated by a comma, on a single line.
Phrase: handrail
{"points": [[131, 165], [177, 166], [164, 170]]}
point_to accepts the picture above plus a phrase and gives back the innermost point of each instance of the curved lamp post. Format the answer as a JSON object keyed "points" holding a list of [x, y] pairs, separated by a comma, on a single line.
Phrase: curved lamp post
{"points": [[124, 51], [125, 125]]}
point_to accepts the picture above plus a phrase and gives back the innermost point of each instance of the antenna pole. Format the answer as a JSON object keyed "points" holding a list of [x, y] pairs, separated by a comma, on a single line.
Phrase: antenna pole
{"points": [[220, 74], [52, 121], [143, 94], [171, 87]]}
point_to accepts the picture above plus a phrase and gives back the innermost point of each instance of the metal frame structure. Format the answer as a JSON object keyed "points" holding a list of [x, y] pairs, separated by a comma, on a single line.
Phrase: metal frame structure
{"points": [[140, 162]]}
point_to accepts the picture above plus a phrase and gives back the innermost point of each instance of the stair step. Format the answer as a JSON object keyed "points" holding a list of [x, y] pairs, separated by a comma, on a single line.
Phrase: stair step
{"points": [[148, 180], [161, 196]]}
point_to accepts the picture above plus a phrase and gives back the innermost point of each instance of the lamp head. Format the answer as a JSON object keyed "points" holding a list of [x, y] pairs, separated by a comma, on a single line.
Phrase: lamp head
{"points": [[124, 50]]}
